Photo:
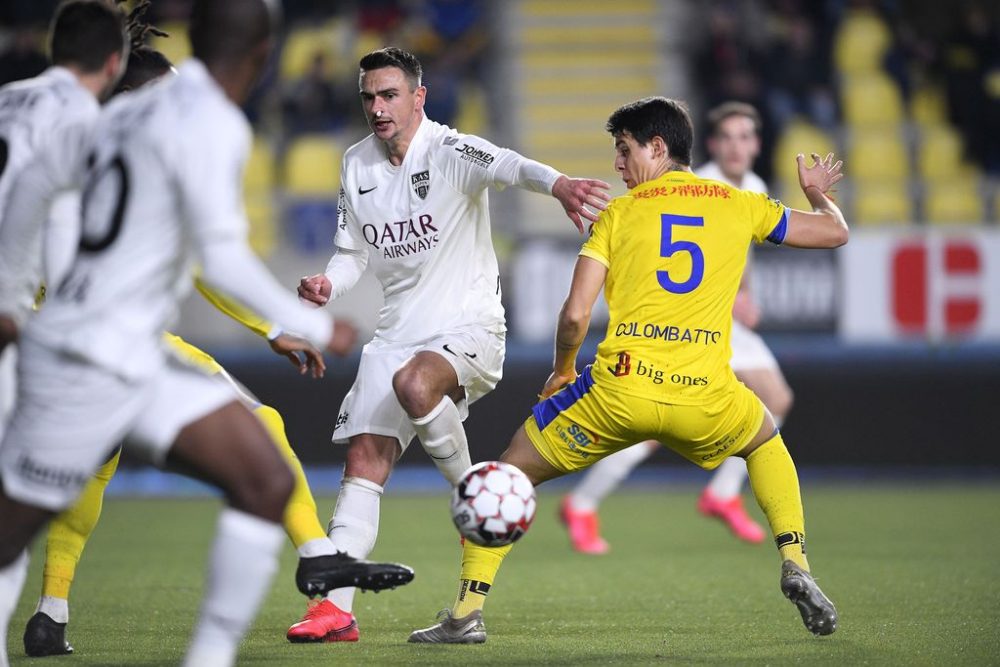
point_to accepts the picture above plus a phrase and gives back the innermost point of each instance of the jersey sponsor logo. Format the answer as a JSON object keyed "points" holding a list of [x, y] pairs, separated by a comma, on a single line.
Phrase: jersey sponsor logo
{"points": [[402, 237], [342, 209], [43, 474], [691, 190], [624, 365], [475, 155], [577, 437], [421, 183], [668, 333], [452, 352], [364, 191]]}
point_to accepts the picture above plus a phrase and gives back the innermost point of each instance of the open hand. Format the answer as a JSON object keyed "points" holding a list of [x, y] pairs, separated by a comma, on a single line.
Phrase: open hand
{"points": [[301, 353], [823, 174], [581, 198]]}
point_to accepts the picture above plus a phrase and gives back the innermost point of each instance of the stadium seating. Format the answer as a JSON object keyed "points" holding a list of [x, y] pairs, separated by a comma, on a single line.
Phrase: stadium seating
{"points": [[879, 154], [799, 136], [953, 202], [882, 203], [311, 183], [861, 42], [258, 184], [871, 98]]}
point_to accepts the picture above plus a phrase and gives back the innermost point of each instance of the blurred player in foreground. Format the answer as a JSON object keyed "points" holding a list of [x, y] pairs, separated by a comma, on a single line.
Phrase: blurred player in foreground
{"points": [[161, 193], [669, 256], [733, 144], [45, 633], [414, 208]]}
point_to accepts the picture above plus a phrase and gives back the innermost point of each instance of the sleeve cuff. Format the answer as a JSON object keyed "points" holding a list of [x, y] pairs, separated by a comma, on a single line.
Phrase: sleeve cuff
{"points": [[596, 256]]}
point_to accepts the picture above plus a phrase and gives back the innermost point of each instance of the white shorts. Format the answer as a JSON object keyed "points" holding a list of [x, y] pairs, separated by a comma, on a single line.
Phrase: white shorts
{"points": [[371, 406], [71, 414], [8, 384], [750, 352]]}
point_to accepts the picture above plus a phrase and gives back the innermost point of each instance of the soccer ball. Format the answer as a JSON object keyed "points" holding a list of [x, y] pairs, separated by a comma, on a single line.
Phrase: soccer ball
{"points": [[493, 504]]}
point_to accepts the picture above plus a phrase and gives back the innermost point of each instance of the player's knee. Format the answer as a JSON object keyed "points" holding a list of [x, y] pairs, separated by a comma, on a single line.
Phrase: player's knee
{"points": [[263, 492], [414, 391], [782, 401], [369, 462]]}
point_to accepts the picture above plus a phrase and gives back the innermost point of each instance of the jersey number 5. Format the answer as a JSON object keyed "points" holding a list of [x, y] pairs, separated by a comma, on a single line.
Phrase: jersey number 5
{"points": [[668, 247]]}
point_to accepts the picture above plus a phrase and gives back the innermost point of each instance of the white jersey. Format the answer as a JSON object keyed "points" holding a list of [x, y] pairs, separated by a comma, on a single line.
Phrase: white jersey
{"points": [[751, 182], [45, 122], [425, 226], [163, 190]]}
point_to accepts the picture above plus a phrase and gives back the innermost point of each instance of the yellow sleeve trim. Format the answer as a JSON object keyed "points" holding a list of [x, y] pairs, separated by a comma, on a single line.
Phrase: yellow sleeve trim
{"points": [[596, 256], [235, 310]]}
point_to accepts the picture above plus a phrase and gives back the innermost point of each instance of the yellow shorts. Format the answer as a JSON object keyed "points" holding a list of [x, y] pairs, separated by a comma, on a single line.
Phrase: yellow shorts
{"points": [[585, 422]]}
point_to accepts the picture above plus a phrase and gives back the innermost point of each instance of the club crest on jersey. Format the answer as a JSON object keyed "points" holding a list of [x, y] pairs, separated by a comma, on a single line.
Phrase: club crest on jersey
{"points": [[421, 183]]}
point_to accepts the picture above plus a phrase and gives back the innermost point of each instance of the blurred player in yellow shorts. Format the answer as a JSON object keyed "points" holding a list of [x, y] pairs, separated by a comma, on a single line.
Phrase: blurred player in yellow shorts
{"points": [[669, 256]]}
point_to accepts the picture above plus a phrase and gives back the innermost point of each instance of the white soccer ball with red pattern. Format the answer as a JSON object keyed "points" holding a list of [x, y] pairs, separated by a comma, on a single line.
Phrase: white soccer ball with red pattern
{"points": [[493, 504]]}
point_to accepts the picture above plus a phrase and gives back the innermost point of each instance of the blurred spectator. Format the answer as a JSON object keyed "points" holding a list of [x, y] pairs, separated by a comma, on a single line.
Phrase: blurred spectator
{"points": [[732, 61], [971, 63], [450, 42], [24, 58], [799, 71], [26, 12], [313, 103]]}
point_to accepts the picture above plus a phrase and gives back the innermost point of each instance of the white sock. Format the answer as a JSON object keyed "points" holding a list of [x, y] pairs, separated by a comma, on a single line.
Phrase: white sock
{"points": [[443, 438], [11, 582], [321, 546], [241, 566], [605, 475], [354, 527], [55, 608], [728, 480]]}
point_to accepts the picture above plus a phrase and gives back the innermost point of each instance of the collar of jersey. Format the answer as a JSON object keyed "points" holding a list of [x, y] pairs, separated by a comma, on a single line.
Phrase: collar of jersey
{"points": [[417, 137], [669, 176]]}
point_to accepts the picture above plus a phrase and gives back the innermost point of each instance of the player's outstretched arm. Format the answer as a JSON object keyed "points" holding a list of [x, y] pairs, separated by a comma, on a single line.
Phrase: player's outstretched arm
{"points": [[574, 321], [825, 227]]}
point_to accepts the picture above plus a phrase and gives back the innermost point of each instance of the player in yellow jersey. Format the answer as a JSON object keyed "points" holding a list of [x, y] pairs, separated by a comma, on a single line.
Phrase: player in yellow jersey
{"points": [[45, 633], [669, 256]]}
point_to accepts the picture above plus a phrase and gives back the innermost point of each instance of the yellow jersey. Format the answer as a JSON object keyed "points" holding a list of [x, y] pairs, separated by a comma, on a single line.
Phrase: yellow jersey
{"points": [[675, 248]]}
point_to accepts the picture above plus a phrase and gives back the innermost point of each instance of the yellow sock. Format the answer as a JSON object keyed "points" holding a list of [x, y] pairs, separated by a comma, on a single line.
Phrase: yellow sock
{"points": [[69, 532], [300, 520], [479, 568], [776, 487]]}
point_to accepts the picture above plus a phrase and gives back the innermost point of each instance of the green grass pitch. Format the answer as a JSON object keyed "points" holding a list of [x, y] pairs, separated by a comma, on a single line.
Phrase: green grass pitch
{"points": [[914, 571]]}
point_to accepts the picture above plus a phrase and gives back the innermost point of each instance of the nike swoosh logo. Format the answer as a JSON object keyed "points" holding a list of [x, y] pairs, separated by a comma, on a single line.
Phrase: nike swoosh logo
{"points": [[450, 351], [362, 191]]}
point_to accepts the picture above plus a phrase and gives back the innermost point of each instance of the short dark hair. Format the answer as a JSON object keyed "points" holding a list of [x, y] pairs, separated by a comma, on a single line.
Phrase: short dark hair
{"points": [[85, 32], [227, 30], [729, 109], [144, 65], [392, 56], [656, 117]]}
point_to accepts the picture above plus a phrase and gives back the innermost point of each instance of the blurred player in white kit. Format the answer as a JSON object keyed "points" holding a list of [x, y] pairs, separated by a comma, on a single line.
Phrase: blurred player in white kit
{"points": [[160, 176], [733, 145], [414, 209]]}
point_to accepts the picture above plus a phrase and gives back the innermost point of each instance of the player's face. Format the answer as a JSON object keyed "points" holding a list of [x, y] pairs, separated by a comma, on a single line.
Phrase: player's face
{"points": [[393, 110], [734, 146], [636, 164]]}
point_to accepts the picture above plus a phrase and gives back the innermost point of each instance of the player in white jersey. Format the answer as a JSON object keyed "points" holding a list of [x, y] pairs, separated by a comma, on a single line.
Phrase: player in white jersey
{"points": [[733, 144], [414, 210], [161, 190], [52, 109]]}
